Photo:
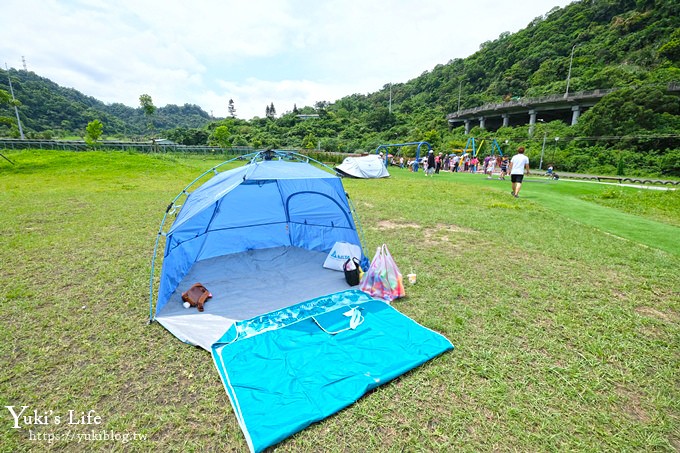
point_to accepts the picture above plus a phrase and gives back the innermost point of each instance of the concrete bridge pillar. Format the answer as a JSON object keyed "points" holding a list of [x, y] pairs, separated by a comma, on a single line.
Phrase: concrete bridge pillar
{"points": [[575, 114], [506, 119], [532, 122], [481, 122], [467, 127]]}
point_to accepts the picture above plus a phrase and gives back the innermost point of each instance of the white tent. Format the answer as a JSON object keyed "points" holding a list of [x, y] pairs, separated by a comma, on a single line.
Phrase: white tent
{"points": [[371, 166]]}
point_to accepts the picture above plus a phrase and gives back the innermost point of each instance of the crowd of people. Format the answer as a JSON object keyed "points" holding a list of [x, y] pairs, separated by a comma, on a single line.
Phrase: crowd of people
{"points": [[433, 163]]}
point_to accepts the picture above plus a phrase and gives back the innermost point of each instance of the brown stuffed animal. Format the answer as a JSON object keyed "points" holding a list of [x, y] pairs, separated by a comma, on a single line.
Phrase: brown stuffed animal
{"points": [[196, 296]]}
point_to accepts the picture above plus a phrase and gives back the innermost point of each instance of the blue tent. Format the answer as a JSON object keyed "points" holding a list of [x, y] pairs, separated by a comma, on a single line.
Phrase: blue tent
{"points": [[257, 237], [243, 234]]}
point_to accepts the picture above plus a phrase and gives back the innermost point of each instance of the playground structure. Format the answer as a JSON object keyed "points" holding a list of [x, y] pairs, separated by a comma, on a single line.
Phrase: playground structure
{"points": [[400, 145], [471, 144]]}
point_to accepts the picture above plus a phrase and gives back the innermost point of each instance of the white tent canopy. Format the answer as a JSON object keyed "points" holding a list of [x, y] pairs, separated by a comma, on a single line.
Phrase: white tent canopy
{"points": [[371, 166]]}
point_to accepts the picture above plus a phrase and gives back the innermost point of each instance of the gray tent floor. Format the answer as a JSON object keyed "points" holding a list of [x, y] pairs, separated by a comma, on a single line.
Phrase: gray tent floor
{"points": [[245, 285]]}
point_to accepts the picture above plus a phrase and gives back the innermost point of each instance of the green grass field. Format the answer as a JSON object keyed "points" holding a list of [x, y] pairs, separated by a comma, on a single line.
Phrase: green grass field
{"points": [[563, 305]]}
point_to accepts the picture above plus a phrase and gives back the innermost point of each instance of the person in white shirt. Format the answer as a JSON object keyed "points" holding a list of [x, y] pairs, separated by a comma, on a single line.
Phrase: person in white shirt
{"points": [[491, 166], [519, 166]]}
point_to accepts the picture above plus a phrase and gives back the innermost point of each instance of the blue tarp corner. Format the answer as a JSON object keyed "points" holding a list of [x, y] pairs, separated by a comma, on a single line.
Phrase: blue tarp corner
{"points": [[283, 379]]}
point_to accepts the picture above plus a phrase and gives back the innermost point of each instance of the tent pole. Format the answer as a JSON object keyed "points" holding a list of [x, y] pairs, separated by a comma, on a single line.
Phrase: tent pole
{"points": [[3, 156]]}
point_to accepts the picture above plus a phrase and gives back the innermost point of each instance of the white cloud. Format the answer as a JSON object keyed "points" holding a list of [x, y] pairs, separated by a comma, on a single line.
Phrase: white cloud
{"points": [[283, 51]]}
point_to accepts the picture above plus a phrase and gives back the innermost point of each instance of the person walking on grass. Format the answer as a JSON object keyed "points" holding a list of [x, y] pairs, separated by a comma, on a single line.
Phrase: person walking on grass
{"points": [[519, 166], [490, 167], [430, 163], [473, 164], [504, 168]]}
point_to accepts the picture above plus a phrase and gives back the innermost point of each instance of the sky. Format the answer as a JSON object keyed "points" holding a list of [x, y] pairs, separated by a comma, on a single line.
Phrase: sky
{"points": [[286, 52]]}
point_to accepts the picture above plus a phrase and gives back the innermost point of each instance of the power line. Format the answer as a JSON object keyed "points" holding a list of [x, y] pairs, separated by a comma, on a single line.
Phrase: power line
{"points": [[16, 110]]}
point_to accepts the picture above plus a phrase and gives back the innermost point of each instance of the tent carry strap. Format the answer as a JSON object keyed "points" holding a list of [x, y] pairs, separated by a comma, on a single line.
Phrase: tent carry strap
{"points": [[355, 320]]}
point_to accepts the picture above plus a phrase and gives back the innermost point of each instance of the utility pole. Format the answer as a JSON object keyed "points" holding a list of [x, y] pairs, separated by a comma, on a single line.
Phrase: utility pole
{"points": [[571, 60], [16, 110], [540, 165], [390, 98], [460, 89]]}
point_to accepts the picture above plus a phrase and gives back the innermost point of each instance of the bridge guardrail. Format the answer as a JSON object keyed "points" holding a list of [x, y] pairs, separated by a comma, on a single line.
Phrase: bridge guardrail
{"points": [[527, 102]]}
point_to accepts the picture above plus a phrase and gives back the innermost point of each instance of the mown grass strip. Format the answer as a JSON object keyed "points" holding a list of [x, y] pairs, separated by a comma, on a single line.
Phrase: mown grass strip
{"points": [[566, 338]]}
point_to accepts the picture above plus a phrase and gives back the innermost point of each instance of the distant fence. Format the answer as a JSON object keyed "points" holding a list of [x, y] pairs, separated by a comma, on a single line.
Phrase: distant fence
{"points": [[144, 147], [148, 147]]}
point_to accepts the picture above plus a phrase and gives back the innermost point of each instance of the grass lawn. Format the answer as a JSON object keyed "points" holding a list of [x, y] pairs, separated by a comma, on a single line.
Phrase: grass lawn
{"points": [[563, 305]]}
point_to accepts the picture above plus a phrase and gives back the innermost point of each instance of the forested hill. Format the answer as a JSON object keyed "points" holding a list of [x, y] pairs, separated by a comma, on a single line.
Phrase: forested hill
{"points": [[633, 46], [49, 110], [630, 45], [618, 43]]}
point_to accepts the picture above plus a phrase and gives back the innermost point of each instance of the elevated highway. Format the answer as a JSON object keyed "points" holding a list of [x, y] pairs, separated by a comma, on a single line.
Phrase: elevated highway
{"points": [[564, 107]]}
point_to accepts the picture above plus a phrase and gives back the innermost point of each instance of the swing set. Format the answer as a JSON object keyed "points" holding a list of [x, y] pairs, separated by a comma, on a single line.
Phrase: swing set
{"points": [[400, 145], [472, 146]]}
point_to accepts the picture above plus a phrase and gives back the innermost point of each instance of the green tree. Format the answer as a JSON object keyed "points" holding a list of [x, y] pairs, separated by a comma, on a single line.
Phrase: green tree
{"points": [[93, 131], [628, 111], [149, 109], [186, 136], [221, 136], [380, 119], [240, 140], [310, 141], [671, 49], [432, 137], [6, 99], [270, 111], [147, 104]]}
